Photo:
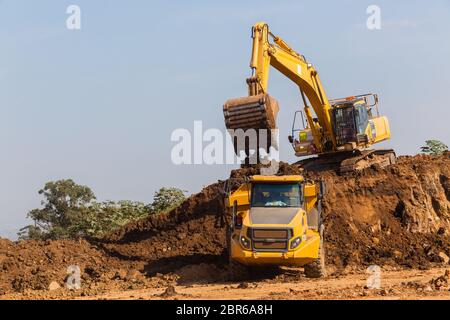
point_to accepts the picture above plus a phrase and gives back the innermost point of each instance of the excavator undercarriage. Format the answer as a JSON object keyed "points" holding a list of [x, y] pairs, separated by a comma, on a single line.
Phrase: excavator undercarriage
{"points": [[349, 161]]}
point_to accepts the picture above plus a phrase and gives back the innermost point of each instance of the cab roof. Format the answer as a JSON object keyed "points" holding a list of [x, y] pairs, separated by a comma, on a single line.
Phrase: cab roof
{"points": [[287, 178]]}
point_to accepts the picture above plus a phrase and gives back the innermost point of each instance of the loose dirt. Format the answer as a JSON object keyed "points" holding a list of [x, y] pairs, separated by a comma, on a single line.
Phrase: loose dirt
{"points": [[397, 218]]}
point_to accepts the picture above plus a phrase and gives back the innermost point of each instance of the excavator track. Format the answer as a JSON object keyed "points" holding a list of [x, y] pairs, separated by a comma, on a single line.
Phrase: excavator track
{"points": [[349, 161], [368, 158]]}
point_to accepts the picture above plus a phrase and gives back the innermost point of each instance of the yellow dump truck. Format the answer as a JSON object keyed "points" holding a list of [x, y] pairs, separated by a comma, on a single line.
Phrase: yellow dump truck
{"points": [[276, 221]]}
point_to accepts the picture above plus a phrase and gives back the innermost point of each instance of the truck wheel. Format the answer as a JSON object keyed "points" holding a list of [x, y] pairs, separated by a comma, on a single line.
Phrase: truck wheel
{"points": [[317, 269], [236, 270]]}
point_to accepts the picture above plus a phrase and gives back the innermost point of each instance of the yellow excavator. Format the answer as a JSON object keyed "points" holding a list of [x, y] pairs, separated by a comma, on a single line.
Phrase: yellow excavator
{"points": [[340, 131]]}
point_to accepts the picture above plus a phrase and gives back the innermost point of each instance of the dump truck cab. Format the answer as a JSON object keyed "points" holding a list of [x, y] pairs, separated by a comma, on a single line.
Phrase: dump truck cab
{"points": [[276, 220]]}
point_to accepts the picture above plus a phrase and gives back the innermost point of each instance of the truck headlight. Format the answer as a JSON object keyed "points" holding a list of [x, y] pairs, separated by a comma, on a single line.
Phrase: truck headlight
{"points": [[245, 242], [296, 242]]}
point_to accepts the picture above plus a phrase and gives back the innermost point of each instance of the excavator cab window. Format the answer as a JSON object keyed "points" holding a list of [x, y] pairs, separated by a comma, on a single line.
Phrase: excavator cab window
{"points": [[361, 118], [350, 121], [344, 123]]}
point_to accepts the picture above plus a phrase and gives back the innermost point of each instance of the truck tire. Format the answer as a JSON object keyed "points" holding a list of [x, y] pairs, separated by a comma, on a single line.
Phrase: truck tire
{"points": [[236, 270], [316, 269]]}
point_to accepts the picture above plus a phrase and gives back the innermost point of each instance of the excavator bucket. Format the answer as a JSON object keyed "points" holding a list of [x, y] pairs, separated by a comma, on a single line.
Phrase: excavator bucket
{"points": [[253, 112]]}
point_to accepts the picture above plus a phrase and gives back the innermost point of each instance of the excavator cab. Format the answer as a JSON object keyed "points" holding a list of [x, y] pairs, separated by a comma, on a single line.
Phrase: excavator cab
{"points": [[350, 121], [354, 123]]}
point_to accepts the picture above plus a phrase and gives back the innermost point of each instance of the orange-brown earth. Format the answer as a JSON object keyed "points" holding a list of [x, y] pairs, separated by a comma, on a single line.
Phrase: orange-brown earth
{"points": [[397, 218]]}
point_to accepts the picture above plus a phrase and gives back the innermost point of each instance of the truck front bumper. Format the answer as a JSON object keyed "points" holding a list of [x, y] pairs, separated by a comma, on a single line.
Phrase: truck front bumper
{"points": [[305, 253]]}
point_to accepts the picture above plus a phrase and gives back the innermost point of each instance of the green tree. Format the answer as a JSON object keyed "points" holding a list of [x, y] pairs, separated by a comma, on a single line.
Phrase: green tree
{"points": [[30, 232], [434, 147], [166, 199], [64, 205], [69, 211], [107, 216]]}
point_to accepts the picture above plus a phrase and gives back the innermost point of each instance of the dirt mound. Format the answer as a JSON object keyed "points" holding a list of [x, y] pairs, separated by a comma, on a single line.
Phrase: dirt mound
{"points": [[34, 265], [397, 216]]}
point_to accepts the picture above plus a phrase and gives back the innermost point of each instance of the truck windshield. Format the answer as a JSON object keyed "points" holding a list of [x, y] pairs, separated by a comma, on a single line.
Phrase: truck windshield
{"points": [[276, 195]]}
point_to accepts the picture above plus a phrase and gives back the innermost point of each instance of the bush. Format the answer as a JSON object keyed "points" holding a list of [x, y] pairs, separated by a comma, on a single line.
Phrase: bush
{"points": [[70, 211], [434, 147], [166, 199]]}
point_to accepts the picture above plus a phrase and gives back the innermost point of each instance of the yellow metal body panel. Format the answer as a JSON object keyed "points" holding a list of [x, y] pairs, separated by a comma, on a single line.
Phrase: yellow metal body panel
{"points": [[310, 196], [382, 130], [241, 196]]}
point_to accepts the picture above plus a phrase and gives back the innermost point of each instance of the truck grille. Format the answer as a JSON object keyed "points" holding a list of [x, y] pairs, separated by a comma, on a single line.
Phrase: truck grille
{"points": [[270, 245], [271, 234], [270, 239]]}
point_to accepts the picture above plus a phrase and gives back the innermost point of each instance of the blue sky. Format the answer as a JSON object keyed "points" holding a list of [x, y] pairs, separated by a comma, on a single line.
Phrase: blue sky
{"points": [[98, 105]]}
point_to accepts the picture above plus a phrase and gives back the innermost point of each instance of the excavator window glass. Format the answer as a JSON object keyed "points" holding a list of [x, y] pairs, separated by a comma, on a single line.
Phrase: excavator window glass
{"points": [[276, 195], [361, 118], [344, 124]]}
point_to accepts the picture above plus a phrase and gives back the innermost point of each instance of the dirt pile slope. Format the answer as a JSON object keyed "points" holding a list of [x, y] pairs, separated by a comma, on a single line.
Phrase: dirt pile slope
{"points": [[397, 216], [34, 265]]}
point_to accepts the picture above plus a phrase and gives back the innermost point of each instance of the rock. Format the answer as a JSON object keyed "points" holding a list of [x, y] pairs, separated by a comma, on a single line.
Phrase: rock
{"points": [[133, 275], [394, 291], [443, 257], [292, 291], [375, 240], [181, 236], [428, 288], [397, 254], [242, 285], [442, 282], [376, 227], [169, 292], [53, 286], [120, 275]]}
